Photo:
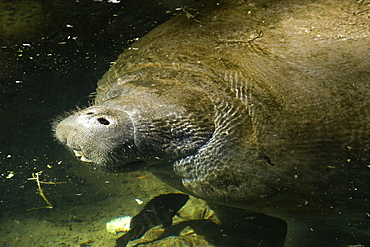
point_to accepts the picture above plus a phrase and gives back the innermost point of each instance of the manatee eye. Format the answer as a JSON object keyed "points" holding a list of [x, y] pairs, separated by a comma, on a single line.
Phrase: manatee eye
{"points": [[268, 161], [89, 113], [103, 121]]}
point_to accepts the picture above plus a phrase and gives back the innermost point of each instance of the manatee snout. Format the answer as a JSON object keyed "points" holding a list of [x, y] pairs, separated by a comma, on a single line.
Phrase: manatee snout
{"points": [[96, 134]]}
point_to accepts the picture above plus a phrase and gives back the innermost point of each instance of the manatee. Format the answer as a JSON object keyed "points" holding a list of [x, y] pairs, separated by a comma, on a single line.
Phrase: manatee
{"points": [[258, 105]]}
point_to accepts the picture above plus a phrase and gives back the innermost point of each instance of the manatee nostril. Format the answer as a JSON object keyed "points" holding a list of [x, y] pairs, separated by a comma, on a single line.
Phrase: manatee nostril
{"points": [[103, 121], [89, 113]]}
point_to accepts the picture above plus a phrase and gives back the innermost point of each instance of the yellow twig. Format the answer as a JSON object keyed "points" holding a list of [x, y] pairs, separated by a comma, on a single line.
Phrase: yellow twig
{"points": [[190, 16], [36, 176]]}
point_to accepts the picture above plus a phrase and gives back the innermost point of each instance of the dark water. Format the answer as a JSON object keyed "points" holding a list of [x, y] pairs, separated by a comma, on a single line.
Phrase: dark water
{"points": [[54, 72], [52, 54]]}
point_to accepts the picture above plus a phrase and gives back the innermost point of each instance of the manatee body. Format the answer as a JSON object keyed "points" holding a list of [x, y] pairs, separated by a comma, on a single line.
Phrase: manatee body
{"points": [[260, 105]]}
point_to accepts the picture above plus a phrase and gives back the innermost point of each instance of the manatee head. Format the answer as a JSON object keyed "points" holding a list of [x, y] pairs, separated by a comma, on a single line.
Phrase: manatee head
{"points": [[97, 134], [140, 125]]}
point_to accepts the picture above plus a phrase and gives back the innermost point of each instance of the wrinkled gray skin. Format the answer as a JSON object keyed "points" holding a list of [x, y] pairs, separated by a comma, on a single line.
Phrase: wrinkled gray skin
{"points": [[254, 104]]}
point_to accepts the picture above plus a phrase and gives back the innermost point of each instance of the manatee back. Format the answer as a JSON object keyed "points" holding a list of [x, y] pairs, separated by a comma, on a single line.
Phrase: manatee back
{"points": [[288, 83], [290, 89]]}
